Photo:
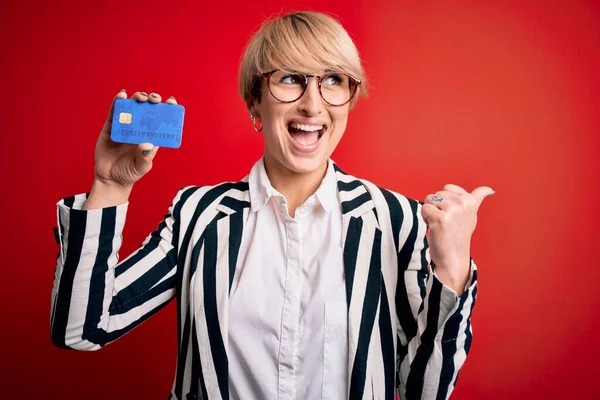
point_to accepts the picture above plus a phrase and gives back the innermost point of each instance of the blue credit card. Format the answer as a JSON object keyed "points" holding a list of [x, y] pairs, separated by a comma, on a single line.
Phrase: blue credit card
{"points": [[136, 122]]}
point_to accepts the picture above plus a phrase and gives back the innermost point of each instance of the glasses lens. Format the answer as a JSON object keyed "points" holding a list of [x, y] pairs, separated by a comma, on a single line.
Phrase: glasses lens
{"points": [[337, 88], [286, 86]]}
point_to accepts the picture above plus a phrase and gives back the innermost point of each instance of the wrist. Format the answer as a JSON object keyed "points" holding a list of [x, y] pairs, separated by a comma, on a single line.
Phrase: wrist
{"points": [[107, 194], [454, 275]]}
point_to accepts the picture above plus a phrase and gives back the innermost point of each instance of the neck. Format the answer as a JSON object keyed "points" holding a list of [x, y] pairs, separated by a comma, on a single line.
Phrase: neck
{"points": [[296, 188]]}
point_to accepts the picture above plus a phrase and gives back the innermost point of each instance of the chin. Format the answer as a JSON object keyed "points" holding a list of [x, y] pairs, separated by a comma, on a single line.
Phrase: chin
{"points": [[305, 165]]}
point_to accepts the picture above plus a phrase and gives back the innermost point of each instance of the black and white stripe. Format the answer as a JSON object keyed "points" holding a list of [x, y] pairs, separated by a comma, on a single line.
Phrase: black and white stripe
{"points": [[407, 332]]}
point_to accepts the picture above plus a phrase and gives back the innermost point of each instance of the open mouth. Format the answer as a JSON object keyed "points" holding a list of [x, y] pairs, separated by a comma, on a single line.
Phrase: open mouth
{"points": [[306, 135]]}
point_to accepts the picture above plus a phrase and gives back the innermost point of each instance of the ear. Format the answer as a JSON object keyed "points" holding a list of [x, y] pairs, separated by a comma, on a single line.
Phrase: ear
{"points": [[352, 103], [255, 95], [254, 109]]}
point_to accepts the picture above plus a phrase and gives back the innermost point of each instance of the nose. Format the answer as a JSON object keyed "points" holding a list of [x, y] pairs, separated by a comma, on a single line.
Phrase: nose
{"points": [[311, 103]]}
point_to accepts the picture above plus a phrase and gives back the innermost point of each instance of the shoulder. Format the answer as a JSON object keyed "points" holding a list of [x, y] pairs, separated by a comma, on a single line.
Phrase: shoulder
{"points": [[403, 212], [399, 216], [382, 198], [198, 200]]}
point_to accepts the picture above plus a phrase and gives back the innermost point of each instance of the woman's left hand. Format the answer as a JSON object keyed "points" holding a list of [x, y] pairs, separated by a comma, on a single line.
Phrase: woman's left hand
{"points": [[451, 216]]}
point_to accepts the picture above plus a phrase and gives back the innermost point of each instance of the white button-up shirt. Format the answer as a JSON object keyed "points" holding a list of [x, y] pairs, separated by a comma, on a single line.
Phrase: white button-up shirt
{"points": [[287, 312]]}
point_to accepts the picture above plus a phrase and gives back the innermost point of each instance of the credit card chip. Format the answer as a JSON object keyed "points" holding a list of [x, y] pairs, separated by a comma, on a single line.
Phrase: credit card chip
{"points": [[125, 118]]}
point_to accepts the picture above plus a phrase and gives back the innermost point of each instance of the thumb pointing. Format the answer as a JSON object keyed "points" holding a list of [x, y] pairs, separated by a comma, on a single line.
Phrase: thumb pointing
{"points": [[482, 192]]}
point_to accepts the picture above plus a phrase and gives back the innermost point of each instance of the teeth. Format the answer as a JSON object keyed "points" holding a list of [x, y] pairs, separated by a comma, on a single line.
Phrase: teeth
{"points": [[307, 128]]}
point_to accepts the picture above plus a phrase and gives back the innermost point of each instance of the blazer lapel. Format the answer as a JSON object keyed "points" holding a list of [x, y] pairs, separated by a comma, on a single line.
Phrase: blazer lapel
{"points": [[218, 256], [362, 267]]}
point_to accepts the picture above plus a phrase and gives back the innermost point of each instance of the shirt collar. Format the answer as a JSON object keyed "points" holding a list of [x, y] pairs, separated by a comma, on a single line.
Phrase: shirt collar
{"points": [[261, 189]]}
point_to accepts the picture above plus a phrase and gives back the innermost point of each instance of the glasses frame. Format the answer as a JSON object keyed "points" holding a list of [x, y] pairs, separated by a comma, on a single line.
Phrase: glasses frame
{"points": [[268, 75]]}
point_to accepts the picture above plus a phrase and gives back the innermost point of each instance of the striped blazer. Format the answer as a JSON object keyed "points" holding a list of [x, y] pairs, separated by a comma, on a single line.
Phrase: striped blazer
{"points": [[408, 333]]}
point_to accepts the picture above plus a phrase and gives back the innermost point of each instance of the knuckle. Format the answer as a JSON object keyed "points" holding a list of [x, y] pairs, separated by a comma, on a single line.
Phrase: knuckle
{"points": [[461, 201]]}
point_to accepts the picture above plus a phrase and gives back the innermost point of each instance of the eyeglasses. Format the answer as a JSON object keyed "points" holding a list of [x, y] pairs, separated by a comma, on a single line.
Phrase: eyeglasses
{"points": [[336, 88]]}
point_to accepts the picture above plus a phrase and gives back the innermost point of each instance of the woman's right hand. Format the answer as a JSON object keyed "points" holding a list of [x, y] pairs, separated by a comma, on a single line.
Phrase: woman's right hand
{"points": [[119, 165]]}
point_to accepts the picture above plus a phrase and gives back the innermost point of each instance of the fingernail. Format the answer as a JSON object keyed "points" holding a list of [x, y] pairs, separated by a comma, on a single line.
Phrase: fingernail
{"points": [[144, 93], [154, 95], [172, 98], [146, 152], [491, 194], [123, 90]]}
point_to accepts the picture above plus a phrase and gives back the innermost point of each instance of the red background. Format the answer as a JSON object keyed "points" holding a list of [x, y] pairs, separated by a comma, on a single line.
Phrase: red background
{"points": [[492, 93]]}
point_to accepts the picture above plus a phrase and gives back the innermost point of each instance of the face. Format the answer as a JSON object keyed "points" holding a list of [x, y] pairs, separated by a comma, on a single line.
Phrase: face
{"points": [[300, 136]]}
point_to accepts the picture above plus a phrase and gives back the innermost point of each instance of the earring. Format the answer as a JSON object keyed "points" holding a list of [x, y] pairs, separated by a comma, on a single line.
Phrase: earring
{"points": [[257, 123]]}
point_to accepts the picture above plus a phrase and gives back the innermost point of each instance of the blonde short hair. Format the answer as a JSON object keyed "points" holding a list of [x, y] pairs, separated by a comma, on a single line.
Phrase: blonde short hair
{"points": [[297, 41]]}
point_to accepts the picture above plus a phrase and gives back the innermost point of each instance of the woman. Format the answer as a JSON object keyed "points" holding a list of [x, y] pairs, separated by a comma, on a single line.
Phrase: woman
{"points": [[299, 281]]}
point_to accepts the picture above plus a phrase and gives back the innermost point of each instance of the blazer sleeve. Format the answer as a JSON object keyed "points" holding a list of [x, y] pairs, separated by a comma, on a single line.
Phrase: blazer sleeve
{"points": [[96, 298], [434, 323]]}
